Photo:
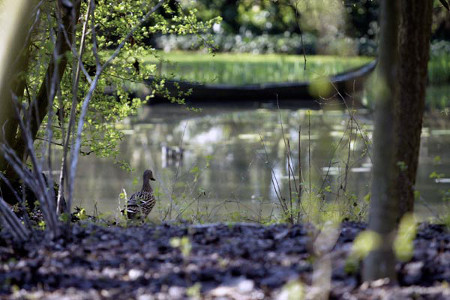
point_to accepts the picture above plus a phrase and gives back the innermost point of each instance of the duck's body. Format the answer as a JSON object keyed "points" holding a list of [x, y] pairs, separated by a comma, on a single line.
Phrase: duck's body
{"points": [[141, 203]]}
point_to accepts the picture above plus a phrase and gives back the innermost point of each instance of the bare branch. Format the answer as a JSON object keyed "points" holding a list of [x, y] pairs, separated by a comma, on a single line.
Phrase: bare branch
{"points": [[36, 181], [72, 117], [20, 200], [12, 222]]}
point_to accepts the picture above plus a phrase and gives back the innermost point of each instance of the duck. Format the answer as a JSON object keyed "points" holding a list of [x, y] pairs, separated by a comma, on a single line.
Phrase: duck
{"points": [[172, 152], [171, 155], [141, 203]]}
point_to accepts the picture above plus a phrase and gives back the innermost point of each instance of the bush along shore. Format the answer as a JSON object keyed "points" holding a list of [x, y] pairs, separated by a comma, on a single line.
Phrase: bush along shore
{"points": [[216, 261]]}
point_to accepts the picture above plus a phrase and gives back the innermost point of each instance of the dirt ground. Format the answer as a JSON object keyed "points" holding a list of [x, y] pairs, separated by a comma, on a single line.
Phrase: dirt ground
{"points": [[215, 261]]}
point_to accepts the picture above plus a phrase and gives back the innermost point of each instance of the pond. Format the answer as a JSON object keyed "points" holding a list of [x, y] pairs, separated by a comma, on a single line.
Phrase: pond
{"points": [[234, 163]]}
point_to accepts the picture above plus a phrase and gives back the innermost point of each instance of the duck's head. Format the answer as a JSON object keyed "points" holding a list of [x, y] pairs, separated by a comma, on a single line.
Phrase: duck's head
{"points": [[148, 175]]}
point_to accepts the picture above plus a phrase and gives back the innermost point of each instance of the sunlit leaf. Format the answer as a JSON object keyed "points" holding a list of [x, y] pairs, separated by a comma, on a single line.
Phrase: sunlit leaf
{"points": [[293, 290], [403, 244], [365, 242], [320, 87]]}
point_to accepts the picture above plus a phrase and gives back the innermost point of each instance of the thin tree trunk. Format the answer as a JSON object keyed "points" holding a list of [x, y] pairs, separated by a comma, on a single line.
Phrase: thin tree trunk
{"points": [[414, 47], [380, 263]]}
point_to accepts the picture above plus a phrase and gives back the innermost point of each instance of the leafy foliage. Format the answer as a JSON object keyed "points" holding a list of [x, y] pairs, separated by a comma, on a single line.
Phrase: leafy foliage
{"points": [[112, 20]]}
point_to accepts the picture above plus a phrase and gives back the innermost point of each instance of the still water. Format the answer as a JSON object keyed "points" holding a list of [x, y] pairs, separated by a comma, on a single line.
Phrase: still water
{"points": [[235, 162]]}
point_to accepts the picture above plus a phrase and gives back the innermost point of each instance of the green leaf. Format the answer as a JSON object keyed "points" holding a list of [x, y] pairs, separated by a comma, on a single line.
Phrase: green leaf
{"points": [[81, 214], [435, 175], [194, 170]]}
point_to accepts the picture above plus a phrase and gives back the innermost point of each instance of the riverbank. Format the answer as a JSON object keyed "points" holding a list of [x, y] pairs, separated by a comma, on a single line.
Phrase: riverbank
{"points": [[241, 261]]}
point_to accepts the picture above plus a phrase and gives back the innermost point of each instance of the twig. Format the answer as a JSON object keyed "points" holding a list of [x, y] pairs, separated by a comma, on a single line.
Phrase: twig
{"points": [[365, 138], [177, 172], [301, 33], [40, 187], [54, 87], [347, 164], [274, 180], [289, 164], [62, 146], [309, 153], [300, 180], [199, 35]]}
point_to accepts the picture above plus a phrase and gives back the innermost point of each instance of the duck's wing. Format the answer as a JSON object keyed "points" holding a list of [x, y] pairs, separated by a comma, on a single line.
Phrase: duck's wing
{"points": [[134, 205], [134, 199], [140, 204]]}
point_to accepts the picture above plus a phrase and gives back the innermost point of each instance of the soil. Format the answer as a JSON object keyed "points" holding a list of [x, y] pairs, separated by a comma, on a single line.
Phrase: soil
{"points": [[217, 261]]}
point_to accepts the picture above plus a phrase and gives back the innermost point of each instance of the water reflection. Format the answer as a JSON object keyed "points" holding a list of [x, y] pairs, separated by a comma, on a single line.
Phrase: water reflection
{"points": [[231, 159]]}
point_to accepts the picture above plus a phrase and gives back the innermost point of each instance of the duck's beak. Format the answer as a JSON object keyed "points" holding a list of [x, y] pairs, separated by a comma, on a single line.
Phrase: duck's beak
{"points": [[152, 178]]}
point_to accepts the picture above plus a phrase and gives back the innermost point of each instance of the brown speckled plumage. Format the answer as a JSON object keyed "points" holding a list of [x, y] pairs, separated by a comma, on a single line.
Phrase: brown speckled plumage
{"points": [[142, 202]]}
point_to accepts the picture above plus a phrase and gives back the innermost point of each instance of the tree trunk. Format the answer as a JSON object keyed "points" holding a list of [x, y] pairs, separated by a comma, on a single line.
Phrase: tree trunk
{"points": [[414, 48], [39, 107], [11, 64], [396, 151], [380, 263]]}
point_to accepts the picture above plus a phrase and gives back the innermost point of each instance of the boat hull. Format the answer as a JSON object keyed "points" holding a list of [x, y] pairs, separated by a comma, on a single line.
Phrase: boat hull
{"points": [[344, 84]]}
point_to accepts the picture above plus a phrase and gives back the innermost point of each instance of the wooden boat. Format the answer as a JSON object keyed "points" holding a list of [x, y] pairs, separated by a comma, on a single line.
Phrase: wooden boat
{"points": [[344, 83]]}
